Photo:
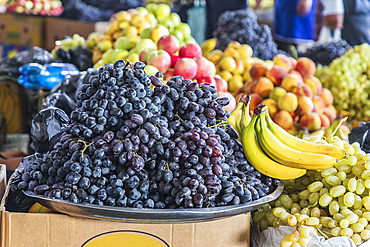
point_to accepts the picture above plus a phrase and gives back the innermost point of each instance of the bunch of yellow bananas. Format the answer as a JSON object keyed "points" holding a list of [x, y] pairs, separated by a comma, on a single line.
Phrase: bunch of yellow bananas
{"points": [[278, 154]]}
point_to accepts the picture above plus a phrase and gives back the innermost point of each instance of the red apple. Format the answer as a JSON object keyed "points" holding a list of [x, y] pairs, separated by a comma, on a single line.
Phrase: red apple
{"points": [[190, 50], [203, 67], [207, 79], [160, 59], [186, 67], [143, 55], [169, 43], [174, 60], [221, 84], [169, 74]]}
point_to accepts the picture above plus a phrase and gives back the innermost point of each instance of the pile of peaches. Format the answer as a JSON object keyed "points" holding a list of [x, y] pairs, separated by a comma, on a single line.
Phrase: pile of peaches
{"points": [[295, 97]]}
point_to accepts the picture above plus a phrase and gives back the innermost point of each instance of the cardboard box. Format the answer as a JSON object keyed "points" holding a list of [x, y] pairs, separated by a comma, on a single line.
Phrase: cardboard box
{"points": [[57, 29], [56, 230], [21, 30]]}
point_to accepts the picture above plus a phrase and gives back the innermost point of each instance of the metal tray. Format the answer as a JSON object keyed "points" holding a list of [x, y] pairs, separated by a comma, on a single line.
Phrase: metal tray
{"points": [[152, 216]]}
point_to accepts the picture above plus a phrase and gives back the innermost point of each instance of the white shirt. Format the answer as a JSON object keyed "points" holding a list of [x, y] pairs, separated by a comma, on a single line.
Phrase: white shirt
{"points": [[332, 7]]}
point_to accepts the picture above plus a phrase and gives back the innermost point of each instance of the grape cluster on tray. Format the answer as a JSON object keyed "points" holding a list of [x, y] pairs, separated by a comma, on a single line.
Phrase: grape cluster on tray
{"points": [[242, 26], [324, 54], [129, 145]]}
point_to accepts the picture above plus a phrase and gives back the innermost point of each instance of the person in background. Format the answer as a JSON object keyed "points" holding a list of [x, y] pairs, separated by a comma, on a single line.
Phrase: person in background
{"points": [[294, 22], [181, 7], [216, 7], [11, 158], [352, 16], [356, 22]]}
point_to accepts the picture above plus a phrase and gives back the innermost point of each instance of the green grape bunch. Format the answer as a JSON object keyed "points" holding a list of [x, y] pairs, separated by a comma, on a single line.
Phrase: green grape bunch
{"points": [[348, 78], [335, 201]]}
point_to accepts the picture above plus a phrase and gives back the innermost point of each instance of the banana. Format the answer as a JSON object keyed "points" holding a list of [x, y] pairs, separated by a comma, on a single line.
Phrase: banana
{"points": [[246, 118], [289, 156], [233, 119], [302, 145], [258, 159]]}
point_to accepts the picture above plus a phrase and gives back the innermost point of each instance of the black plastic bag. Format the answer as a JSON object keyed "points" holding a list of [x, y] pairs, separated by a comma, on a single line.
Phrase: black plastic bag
{"points": [[17, 201], [47, 127], [361, 135], [78, 10], [80, 56], [62, 101], [9, 66], [71, 84]]}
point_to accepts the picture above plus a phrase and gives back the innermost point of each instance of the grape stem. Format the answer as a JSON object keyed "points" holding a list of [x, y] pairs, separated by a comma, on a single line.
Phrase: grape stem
{"points": [[321, 232], [221, 123], [127, 64], [312, 206], [85, 147], [177, 115], [167, 166]]}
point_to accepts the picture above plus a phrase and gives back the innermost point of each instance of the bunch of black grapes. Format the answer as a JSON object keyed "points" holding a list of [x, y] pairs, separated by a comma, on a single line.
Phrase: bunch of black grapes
{"points": [[324, 54], [241, 25], [128, 145]]}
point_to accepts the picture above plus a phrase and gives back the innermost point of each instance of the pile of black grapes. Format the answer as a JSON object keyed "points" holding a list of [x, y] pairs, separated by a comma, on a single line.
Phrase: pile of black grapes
{"points": [[241, 25], [324, 54], [128, 145]]}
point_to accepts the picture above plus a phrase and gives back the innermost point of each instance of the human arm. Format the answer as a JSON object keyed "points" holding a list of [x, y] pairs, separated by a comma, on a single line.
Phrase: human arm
{"points": [[304, 7], [333, 13]]}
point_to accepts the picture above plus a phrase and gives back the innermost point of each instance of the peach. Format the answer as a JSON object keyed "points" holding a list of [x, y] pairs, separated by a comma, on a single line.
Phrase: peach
{"points": [[293, 72], [263, 86], [276, 74], [276, 93], [234, 45], [306, 67], [303, 90], [256, 99], [293, 61], [249, 86], [221, 84], [239, 67], [272, 106], [315, 84], [288, 102], [325, 122], [283, 61], [319, 102], [231, 106], [215, 56], [258, 70], [311, 121], [305, 105], [290, 82], [330, 112], [284, 120], [231, 52], [327, 96]]}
